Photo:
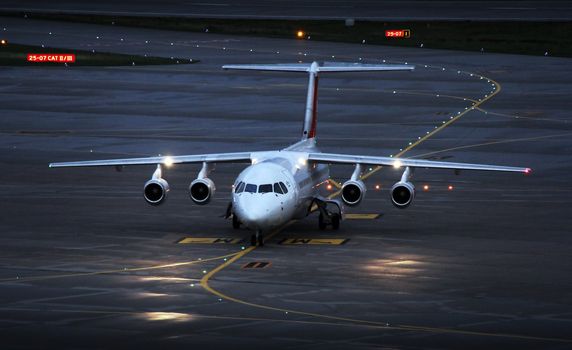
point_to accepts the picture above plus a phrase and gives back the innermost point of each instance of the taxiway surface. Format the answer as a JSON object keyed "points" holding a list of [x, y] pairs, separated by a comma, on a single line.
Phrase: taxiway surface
{"points": [[86, 263]]}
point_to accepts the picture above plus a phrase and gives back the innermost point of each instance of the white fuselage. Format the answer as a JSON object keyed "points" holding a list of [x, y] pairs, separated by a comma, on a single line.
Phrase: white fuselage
{"points": [[278, 186]]}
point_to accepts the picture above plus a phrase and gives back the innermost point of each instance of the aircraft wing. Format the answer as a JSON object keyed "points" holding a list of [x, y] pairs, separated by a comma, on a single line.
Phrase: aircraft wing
{"points": [[407, 162], [239, 157]]}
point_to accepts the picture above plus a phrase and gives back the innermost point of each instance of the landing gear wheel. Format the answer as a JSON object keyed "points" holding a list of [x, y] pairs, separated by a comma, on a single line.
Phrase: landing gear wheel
{"points": [[321, 222], [335, 221], [235, 222], [253, 240], [260, 238]]}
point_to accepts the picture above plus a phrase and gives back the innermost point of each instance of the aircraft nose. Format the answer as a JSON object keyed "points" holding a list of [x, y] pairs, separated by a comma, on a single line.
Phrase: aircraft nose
{"points": [[258, 211]]}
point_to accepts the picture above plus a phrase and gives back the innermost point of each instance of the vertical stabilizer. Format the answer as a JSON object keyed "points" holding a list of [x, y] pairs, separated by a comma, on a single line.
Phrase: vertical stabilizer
{"points": [[311, 113]]}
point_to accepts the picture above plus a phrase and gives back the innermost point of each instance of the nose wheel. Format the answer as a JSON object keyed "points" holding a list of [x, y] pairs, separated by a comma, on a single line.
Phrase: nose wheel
{"points": [[235, 222], [257, 238]]}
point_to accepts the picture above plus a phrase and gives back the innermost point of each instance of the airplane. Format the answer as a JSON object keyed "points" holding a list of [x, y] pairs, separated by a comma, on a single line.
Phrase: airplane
{"points": [[291, 183]]}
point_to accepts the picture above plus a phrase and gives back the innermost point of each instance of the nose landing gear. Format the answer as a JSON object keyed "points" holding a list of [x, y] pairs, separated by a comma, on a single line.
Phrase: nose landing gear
{"points": [[258, 237], [235, 222]]}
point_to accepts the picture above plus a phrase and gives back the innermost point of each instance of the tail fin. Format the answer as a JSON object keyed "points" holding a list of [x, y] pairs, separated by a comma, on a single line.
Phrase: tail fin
{"points": [[310, 118]]}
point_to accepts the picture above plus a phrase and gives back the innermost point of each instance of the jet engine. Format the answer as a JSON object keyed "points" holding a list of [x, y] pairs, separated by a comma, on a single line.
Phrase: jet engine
{"points": [[155, 191], [402, 194], [202, 190], [353, 192]]}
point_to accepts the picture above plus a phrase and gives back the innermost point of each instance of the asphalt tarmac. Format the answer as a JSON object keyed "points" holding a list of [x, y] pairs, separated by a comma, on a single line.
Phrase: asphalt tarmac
{"points": [[85, 263]]}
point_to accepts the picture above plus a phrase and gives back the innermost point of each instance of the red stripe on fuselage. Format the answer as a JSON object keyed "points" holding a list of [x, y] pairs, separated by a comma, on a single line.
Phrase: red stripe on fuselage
{"points": [[312, 132]]}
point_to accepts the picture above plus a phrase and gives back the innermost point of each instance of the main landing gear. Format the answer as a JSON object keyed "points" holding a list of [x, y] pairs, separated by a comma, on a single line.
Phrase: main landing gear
{"points": [[329, 219], [258, 237]]}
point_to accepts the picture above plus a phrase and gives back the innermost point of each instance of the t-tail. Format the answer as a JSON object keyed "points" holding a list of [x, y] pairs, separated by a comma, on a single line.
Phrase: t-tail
{"points": [[313, 69]]}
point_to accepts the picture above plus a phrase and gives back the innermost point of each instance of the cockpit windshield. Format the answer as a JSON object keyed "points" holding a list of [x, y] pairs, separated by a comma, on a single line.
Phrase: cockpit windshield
{"points": [[277, 187], [250, 188]]}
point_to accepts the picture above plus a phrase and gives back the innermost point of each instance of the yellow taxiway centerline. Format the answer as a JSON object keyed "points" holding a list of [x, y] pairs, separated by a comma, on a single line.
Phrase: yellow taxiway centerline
{"points": [[105, 272], [204, 282]]}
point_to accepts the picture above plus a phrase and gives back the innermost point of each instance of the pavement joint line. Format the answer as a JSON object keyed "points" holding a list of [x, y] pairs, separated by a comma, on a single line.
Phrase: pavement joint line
{"points": [[242, 318], [515, 116]]}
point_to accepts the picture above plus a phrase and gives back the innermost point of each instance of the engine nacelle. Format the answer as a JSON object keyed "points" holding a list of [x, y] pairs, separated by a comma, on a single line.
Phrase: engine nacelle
{"points": [[353, 192], [155, 191], [402, 194], [202, 190]]}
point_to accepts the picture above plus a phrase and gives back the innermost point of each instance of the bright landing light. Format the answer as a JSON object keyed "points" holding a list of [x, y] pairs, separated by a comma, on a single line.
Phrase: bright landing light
{"points": [[166, 316], [168, 161], [300, 34], [397, 164]]}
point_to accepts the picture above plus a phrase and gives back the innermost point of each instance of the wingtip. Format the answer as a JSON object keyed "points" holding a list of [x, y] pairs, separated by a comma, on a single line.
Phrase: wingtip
{"points": [[527, 171]]}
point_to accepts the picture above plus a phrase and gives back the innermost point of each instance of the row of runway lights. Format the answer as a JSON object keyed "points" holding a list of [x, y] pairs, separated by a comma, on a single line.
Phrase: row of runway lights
{"points": [[299, 34], [299, 53]]}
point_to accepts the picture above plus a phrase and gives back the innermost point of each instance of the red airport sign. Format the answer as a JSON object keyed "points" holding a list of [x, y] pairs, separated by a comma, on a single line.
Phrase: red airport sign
{"points": [[398, 33], [51, 57]]}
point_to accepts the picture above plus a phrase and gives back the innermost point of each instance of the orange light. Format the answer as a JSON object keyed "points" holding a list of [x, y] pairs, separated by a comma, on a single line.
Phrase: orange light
{"points": [[3, 42], [377, 187], [329, 187], [450, 187], [425, 187], [300, 34]]}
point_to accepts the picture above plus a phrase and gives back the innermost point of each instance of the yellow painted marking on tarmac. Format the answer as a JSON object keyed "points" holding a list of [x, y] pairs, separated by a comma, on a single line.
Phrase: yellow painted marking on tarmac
{"points": [[457, 117], [524, 139], [314, 241], [105, 272], [205, 284], [210, 240], [444, 125], [205, 280], [359, 216], [256, 265]]}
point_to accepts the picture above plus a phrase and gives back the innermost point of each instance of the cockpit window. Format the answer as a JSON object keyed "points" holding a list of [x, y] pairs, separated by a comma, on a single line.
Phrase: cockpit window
{"points": [[277, 188], [284, 188], [240, 187], [265, 188], [250, 188]]}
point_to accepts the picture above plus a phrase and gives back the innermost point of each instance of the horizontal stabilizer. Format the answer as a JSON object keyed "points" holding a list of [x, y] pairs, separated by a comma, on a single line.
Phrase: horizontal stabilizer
{"points": [[321, 67]]}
